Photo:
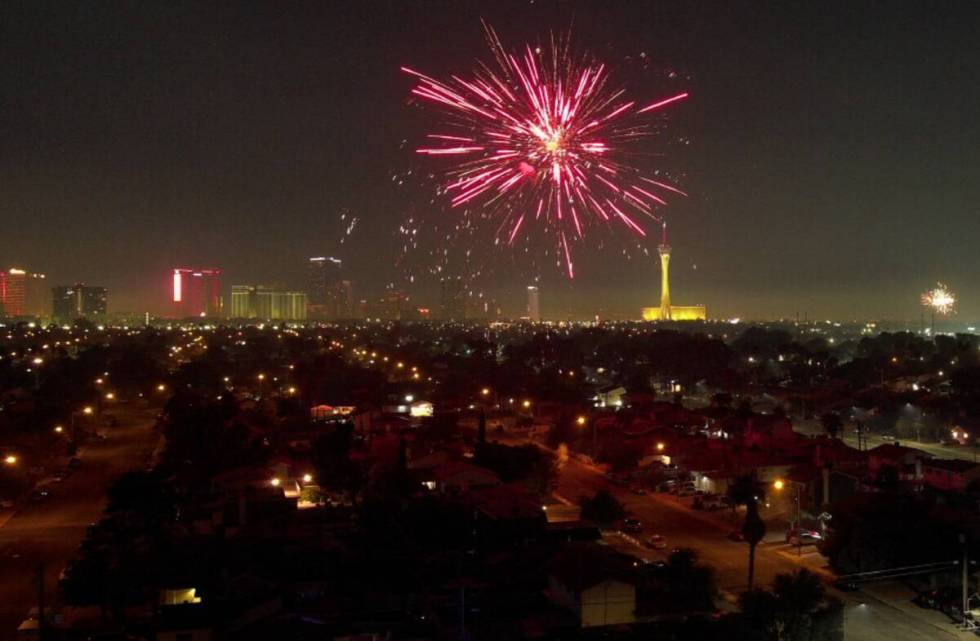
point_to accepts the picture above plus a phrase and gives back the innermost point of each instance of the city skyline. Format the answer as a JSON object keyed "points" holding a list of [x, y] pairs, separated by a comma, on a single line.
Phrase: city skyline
{"points": [[156, 164], [361, 319]]}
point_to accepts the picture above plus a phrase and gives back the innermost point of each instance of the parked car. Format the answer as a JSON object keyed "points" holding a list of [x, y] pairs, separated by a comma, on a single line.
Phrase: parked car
{"points": [[803, 536], [714, 502], [631, 525], [943, 599], [845, 585], [687, 489], [656, 542], [616, 479], [39, 494]]}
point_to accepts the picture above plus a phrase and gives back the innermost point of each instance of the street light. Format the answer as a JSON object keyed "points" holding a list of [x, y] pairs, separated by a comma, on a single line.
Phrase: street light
{"points": [[581, 421], [58, 429], [779, 484], [660, 447], [10, 459], [274, 482], [307, 478]]}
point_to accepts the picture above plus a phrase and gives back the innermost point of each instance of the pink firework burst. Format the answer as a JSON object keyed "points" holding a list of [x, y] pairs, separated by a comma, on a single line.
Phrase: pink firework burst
{"points": [[543, 141]]}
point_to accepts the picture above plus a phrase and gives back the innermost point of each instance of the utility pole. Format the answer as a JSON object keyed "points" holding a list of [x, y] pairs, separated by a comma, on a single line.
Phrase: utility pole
{"points": [[41, 622], [966, 579], [799, 529]]}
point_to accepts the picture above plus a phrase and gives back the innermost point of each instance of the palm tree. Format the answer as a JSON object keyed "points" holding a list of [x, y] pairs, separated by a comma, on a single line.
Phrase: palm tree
{"points": [[746, 490]]}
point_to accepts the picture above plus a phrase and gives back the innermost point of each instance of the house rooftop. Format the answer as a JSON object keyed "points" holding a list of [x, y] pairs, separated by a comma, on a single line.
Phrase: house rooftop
{"points": [[950, 465], [579, 566], [895, 451]]}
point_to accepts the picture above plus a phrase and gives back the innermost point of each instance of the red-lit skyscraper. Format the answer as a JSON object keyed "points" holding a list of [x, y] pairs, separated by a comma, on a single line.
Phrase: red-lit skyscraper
{"points": [[23, 293], [196, 292]]}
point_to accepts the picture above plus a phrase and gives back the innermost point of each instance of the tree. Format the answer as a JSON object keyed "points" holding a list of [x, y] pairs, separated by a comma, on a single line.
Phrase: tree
{"points": [[603, 508], [334, 464], [561, 432], [832, 423], [796, 608], [747, 491]]}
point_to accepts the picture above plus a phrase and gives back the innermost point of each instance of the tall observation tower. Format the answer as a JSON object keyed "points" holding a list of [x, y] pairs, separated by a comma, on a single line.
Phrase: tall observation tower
{"points": [[664, 250], [666, 311]]}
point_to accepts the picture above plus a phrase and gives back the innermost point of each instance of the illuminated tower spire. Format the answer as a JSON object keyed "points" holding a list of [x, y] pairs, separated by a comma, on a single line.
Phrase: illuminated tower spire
{"points": [[664, 274]]}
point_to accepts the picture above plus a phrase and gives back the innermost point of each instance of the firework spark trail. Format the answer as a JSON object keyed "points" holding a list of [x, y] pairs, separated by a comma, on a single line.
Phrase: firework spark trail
{"points": [[544, 129]]}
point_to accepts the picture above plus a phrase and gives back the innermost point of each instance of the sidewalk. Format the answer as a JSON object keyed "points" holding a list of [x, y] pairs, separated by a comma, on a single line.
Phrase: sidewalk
{"points": [[898, 596]]}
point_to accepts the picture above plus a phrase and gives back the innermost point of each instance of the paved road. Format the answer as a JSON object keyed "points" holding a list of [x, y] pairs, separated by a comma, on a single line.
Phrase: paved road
{"points": [[50, 532], [811, 427], [868, 616]]}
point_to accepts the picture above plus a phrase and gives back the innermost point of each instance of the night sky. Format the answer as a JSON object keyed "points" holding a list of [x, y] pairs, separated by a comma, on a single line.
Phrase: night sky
{"points": [[833, 162]]}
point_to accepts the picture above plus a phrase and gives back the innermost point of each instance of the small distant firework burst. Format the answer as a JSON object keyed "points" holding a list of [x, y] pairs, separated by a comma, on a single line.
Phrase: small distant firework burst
{"points": [[541, 142], [940, 300]]}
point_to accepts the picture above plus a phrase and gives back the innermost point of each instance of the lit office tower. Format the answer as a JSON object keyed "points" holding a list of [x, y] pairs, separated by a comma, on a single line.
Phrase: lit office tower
{"points": [[273, 304], [452, 299], [267, 303], [196, 292], [329, 296], [243, 301], [79, 301], [23, 293], [533, 304]]}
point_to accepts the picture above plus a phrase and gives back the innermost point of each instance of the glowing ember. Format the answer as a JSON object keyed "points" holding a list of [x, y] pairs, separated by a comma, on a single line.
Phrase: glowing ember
{"points": [[542, 138], [940, 300]]}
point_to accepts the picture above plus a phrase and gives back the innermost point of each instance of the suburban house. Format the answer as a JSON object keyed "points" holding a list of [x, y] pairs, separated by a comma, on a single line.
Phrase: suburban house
{"points": [[949, 474], [906, 460], [457, 477], [594, 584]]}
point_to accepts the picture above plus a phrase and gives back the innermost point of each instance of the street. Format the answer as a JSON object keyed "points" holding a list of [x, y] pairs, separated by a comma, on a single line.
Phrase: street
{"points": [[50, 532], [868, 616], [812, 427]]}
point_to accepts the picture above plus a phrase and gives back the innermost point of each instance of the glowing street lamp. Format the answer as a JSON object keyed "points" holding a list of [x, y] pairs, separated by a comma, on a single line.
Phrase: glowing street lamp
{"points": [[274, 482], [660, 447], [779, 484], [307, 478], [10, 459], [58, 429]]}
